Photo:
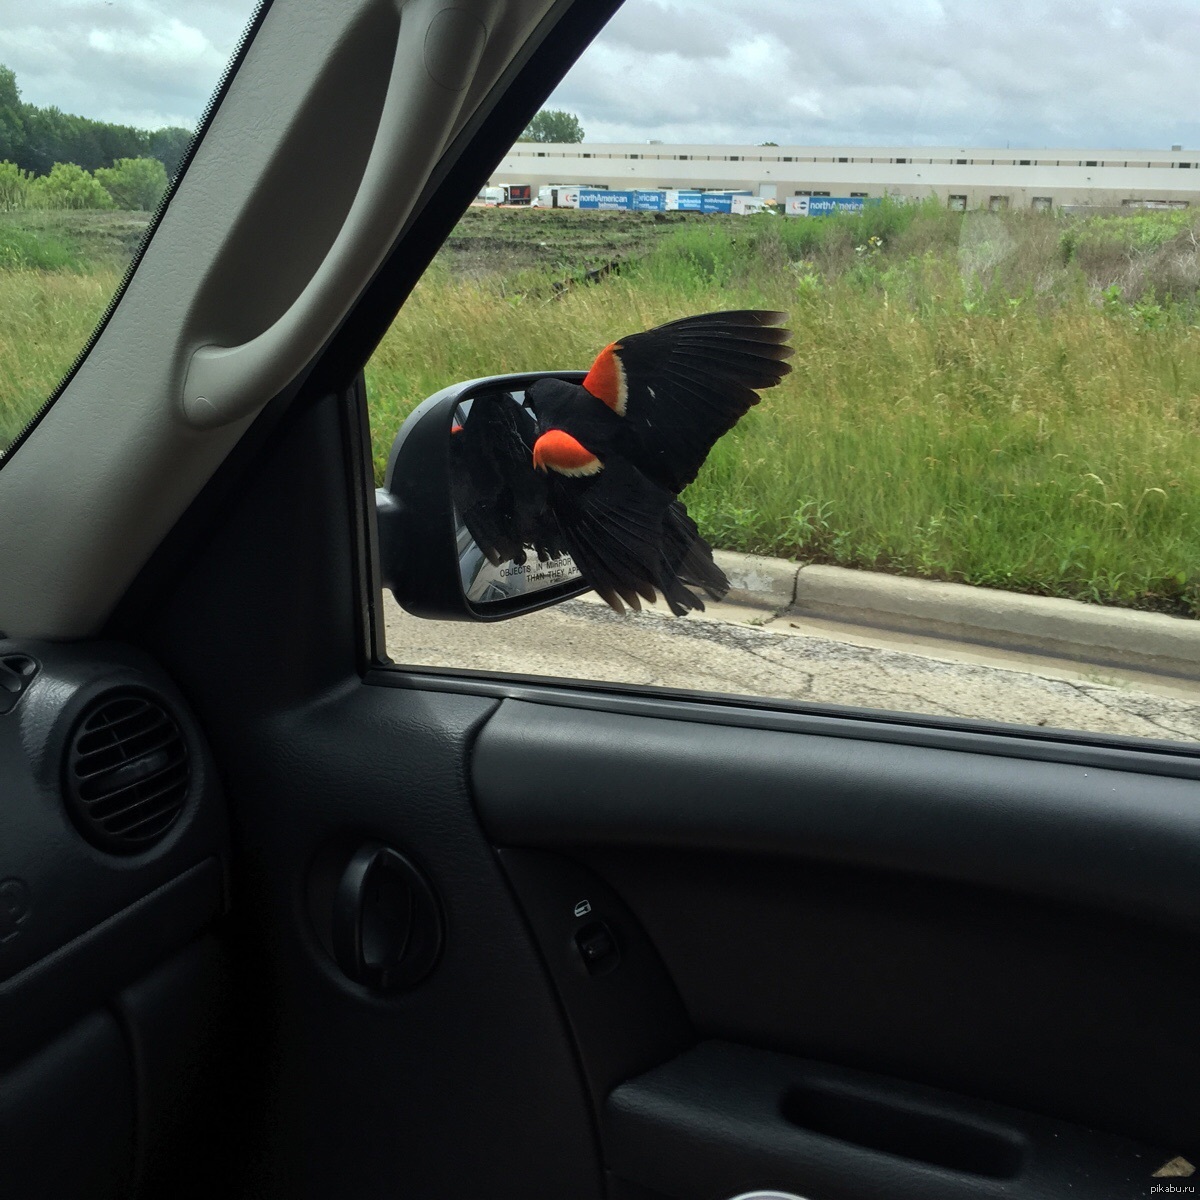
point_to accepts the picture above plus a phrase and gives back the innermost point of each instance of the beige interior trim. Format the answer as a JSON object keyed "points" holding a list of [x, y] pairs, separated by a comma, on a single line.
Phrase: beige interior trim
{"points": [[442, 44]]}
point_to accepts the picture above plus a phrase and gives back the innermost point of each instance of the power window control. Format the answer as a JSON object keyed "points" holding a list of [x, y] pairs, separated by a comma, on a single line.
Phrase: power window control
{"points": [[597, 947]]}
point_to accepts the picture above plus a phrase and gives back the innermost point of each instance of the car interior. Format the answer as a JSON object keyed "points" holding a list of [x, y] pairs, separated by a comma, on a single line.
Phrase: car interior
{"points": [[280, 917]]}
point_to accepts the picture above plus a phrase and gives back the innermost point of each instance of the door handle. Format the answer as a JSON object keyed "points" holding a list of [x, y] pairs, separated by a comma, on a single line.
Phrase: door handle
{"points": [[387, 929]]}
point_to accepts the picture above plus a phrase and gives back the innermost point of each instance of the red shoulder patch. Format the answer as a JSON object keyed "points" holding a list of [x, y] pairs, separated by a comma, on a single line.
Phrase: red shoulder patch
{"points": [[559, 451], [606, 379]]}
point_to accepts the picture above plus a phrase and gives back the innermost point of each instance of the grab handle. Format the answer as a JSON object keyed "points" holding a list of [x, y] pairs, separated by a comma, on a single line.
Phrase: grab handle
{"points": [[438, 49]]}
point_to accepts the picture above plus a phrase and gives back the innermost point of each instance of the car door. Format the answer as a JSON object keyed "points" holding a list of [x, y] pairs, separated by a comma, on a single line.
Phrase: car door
{"points": [[436, 933]]}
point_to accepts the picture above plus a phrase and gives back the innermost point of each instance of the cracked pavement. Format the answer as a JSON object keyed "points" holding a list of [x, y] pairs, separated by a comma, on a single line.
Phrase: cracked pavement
{"points": [[754, 652]]}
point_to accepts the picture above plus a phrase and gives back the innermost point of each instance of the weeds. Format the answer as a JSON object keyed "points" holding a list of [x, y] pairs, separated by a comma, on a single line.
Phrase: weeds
{"points": [[27, 250], [45, 317]]}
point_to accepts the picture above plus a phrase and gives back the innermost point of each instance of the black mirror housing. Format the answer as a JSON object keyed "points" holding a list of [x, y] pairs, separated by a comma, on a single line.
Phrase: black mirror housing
{"points": [[420, 530]]}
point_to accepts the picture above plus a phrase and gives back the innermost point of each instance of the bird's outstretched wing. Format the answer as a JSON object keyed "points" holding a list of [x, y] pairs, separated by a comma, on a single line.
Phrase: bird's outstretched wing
{"points": [[689, 556], [503, 502], [684, 384], [632, 539]]}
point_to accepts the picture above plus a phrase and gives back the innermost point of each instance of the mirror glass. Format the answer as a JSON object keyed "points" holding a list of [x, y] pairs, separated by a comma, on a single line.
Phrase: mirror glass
{"points": [[507, 537]]}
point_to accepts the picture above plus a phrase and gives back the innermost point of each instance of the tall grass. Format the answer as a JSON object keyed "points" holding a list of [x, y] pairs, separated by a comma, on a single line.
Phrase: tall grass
{"points": [[32, 250], [58, 271], [970, 400], [1002, 399], [45, 319]]}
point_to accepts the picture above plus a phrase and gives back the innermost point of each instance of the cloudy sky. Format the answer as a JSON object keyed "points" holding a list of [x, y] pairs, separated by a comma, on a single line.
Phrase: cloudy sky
{"points": [[890, 72], [146, 63]]}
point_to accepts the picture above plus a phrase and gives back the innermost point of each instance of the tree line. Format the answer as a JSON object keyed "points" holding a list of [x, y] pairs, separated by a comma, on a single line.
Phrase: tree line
{"points": [[553, 125], [53, 159]]}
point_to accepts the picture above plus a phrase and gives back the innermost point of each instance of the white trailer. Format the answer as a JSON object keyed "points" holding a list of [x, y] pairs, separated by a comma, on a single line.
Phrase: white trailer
{"points": [[745, 206], [557, 195]]}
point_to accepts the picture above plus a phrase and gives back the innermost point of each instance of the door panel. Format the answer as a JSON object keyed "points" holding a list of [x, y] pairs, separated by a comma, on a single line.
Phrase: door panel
{"points": [[722, 1117], [1014, 929], [993, 810], [464, 1080], [996, 927]]}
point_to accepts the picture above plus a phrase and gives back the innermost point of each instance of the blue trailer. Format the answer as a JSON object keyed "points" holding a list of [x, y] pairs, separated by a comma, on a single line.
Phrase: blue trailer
{"points": [[824, 206], [827, 206], [649, 201], [716, 202], [601, 198]]}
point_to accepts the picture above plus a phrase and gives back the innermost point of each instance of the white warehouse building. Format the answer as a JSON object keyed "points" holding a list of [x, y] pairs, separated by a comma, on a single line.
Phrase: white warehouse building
{"points": [[961, 178]]}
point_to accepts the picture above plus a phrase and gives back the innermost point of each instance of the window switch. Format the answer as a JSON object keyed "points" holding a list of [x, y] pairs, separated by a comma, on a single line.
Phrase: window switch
{"points": [[597, 947]]}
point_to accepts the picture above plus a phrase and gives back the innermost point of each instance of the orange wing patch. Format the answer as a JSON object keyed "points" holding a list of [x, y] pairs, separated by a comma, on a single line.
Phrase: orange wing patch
{"points": [[606, 379], [560, 452]]}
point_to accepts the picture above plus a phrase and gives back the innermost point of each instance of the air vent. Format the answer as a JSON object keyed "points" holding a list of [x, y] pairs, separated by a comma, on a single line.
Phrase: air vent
{"points": [[127, 772]]}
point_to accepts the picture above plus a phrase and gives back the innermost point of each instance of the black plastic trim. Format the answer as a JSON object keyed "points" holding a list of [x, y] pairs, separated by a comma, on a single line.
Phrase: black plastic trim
{"points": [[48, 994], [1035, 743], [356, 430], [626, 1016], [723, 1118], [67, 1117], [1111, 839]]}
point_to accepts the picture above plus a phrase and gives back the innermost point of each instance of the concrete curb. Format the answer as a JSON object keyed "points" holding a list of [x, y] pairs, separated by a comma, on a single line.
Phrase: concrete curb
{"points": [[757, 581], [1069, 629]]}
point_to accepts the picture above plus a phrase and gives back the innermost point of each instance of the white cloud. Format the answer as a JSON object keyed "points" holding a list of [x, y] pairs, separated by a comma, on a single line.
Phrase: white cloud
{"points": [[138, 62], [956, 72], [171, 43], [962, 72]]}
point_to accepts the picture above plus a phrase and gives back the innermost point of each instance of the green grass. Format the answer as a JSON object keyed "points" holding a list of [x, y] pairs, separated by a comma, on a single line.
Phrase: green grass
{"points": [[58, 271], [45, 319], [81, 241], [33, 250], [967, 402], [1001, 399]]}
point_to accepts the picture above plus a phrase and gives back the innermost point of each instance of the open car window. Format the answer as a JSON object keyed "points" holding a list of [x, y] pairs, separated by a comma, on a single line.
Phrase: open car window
{"points": [[973, 496], [98, 108]]}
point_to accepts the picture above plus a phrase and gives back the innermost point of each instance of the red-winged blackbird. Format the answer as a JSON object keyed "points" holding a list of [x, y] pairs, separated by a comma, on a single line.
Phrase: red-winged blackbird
{"points": [[501, 499], [598, 471]]}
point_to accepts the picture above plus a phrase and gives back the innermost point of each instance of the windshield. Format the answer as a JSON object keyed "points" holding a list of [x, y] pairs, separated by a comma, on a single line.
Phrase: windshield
{"points": [[98, 104]]}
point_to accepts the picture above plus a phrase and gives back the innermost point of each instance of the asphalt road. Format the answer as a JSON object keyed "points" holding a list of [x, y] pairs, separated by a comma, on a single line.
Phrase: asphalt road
{"points": [[754, 652]]}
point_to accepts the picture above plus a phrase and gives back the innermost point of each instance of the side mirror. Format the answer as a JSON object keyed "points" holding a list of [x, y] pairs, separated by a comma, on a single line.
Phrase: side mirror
{"points": [[455, 541]]}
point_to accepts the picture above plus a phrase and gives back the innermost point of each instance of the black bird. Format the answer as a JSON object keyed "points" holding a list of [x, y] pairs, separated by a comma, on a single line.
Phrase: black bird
{"points": [[612, 455], [502, 500]]}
